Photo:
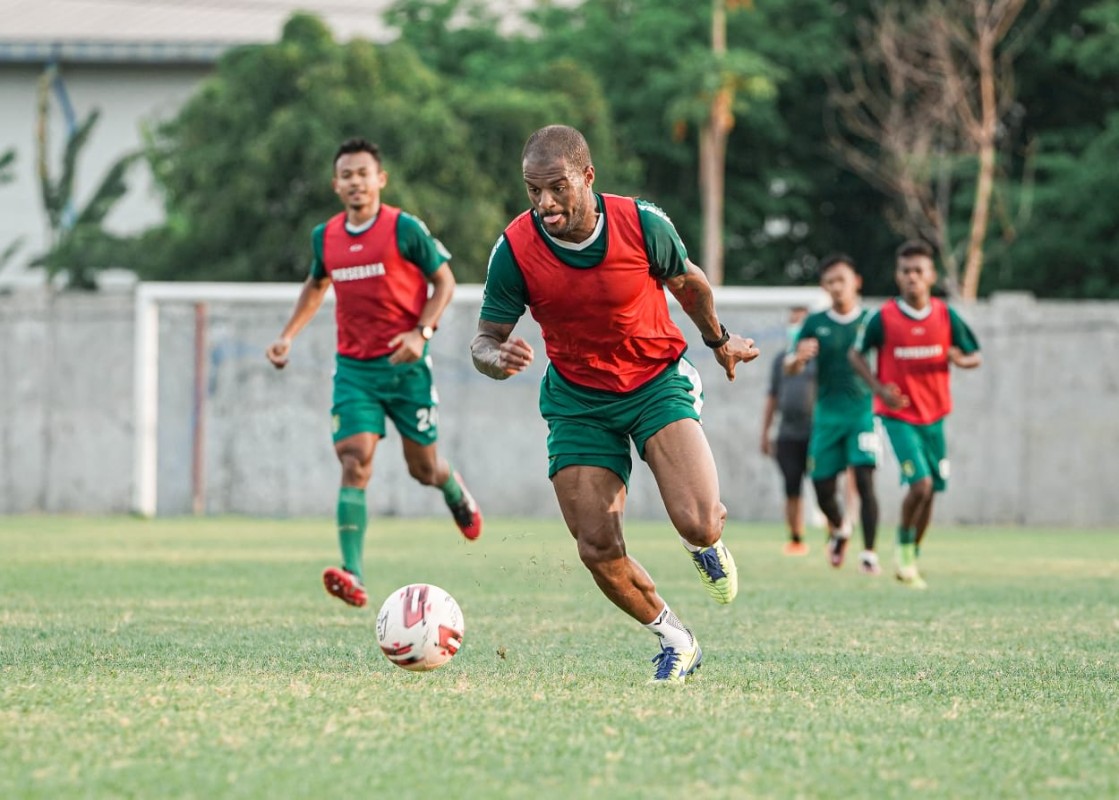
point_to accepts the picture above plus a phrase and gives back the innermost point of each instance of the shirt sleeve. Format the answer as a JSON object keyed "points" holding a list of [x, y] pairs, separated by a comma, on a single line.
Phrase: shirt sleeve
{"points": [[505, 295], [318, 267], [418, 245], [807, 331], [869, 336], [962, 335], [663, 245]]}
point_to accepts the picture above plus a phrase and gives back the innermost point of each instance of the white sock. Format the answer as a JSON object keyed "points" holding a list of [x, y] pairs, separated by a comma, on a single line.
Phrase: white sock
{"points": [[671, 631], [691, 548]]}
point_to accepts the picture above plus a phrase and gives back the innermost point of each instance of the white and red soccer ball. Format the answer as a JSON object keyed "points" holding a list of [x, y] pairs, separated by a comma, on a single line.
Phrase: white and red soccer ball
{"points": [[420, 627]]}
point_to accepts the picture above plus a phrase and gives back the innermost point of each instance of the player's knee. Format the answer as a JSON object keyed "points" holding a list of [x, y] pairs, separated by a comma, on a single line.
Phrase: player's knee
{"points": [[922, 489], [864, 481], [597, 552], [355, 470], [702, 526], [423, 472]]}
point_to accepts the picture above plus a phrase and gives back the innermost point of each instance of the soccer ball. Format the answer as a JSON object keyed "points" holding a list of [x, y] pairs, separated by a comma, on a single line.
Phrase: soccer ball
{"points": [[420, 627]]}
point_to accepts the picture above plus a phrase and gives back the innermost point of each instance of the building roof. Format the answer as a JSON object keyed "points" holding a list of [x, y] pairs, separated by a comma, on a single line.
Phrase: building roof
{"points": [[166, 30]]}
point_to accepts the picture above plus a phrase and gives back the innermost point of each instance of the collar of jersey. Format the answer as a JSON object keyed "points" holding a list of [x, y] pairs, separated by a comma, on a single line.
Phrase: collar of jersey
{"points": [[577, 246], [360, 229], [913, 313], [845, 319]]}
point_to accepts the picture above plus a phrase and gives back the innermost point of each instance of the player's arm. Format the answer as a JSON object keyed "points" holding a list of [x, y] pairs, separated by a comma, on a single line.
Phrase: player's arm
{"points": [[668, 262], [770, 410], [306, 305], [807, 348], [964, 350], [694, 294], [418, 246], [869, 338], [495, 351]]}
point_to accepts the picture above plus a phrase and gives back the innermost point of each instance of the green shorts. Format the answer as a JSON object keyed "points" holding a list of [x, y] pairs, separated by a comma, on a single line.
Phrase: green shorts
{"points": [[840, 442], [921, 451], [589, 427], [365, 392]]}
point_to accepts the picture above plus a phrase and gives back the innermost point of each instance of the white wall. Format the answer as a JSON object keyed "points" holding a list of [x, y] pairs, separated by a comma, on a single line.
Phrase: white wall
{"points": [[128, 98], [1032, 439]]}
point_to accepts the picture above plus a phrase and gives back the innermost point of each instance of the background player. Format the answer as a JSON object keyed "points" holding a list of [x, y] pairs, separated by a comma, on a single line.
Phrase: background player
{"points": [[843, 421], [380, 261], [917, 336], [791, 396]]}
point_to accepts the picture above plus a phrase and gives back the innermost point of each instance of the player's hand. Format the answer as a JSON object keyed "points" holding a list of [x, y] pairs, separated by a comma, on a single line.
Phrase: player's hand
{"points": [[736, 351], [807, 349], [767, 446], [891, 395], [278, 352], [514, 355], [407, 347]]}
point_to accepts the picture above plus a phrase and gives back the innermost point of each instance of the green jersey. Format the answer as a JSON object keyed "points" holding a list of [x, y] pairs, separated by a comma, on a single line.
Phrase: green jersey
{"points": [[839, 391], [506, 296]]}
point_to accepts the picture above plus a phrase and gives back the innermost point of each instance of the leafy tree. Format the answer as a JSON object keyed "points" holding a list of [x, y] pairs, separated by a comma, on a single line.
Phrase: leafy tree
{"points": [[246, 165], [79, 244]]}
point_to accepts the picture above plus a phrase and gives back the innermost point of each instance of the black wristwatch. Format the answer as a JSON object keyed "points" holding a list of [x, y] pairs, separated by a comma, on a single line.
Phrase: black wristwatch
{"points": [[715, 345], [426, 331]]}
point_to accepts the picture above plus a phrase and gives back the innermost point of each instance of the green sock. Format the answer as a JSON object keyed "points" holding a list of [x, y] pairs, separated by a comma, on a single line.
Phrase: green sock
{"points": [[907, 548], [452, 492], [351, 528]]}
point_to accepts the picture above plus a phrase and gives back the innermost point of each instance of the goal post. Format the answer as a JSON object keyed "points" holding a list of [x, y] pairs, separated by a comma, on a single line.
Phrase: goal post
{"points": [[152, 298]]}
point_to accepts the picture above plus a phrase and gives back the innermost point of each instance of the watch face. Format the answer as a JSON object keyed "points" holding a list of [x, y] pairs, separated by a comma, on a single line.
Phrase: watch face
{"points": [[427, 331]]}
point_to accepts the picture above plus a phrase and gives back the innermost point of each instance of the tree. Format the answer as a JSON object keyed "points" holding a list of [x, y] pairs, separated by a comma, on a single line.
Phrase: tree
{"points": [[245, 166], [924, 100], [79, 244]]}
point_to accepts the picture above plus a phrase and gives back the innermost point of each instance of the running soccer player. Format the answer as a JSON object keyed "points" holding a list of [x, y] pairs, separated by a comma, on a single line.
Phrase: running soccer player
{"points": [[592, 270], [380, 261], [843, 421], [917, 336]]}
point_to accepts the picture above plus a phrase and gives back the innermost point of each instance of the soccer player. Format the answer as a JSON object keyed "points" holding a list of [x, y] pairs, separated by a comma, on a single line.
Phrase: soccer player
{"points": [[843, 422], [917, 336], [381, 261], [792, 396], [591, 268]]}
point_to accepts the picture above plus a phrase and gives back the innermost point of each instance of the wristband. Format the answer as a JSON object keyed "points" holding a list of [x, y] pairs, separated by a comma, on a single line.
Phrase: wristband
{"points": [[715, 345]]}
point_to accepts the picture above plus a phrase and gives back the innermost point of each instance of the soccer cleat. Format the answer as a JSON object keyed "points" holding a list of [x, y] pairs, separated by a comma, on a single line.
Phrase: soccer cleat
{"points": [[795, 549], [676, 666], [908, 576], [837, 547], [345, 586], [718, 572], [467, 515], [868, 563]]}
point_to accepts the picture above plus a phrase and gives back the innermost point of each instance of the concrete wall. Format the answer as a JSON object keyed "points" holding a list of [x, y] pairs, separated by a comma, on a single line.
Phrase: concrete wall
{"points": [[1032, 439]]}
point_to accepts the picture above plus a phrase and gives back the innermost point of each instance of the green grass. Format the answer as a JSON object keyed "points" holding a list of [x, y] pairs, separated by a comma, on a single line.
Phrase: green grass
{"points": [[201, 658]]}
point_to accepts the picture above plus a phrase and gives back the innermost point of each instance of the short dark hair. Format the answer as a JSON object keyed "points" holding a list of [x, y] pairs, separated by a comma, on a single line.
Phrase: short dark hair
{"points": [[915, 247], [558, 141], [357, 145], [829, 261]]}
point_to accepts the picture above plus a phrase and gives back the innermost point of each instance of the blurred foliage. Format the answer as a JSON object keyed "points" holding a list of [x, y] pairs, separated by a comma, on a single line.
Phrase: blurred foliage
{"points": [[7, 161], [245, 167]]}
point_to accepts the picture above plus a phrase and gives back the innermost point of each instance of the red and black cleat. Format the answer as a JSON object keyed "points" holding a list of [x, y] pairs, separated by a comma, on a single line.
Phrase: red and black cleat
{"points": [[345, 586], [467, 515]]}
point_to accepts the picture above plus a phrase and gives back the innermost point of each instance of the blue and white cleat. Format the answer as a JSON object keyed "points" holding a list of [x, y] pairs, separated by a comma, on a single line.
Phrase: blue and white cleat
{"points": [[717, 571], [676, 666]]}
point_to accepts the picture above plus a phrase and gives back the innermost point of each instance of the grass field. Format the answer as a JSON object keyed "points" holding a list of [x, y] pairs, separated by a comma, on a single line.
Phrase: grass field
{"points": [[201, 658]]}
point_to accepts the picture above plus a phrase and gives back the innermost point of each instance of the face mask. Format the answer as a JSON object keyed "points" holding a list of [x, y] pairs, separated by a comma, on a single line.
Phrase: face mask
{"points": [[791, 332]]}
